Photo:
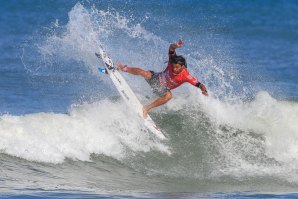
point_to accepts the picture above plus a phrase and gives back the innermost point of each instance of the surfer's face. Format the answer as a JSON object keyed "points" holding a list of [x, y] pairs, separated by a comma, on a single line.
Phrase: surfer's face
{"points": [[177, 68]]}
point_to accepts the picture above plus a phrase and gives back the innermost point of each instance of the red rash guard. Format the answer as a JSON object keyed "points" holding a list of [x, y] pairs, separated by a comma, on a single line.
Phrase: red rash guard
{"points": [[172, 80]]}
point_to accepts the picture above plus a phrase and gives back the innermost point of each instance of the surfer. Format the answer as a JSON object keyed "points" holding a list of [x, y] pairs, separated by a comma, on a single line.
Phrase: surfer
{"points": [[163, 82]]}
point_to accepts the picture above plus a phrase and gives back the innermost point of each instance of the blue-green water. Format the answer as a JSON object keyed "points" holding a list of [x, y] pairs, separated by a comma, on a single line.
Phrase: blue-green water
{"points": [[65, 132]]}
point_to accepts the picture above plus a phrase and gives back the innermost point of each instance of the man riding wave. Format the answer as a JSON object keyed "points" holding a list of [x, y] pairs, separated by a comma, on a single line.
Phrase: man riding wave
{"points": [[163, 82]]}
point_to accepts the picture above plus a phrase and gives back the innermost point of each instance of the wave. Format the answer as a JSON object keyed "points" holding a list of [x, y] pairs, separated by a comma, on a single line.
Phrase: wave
{"points": [[100, 128], [209, 138], [256, 138]]}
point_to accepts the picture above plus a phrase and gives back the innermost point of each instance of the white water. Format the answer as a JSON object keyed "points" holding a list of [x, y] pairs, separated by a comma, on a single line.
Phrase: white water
{"points": [[100, 128], [276, 120]]}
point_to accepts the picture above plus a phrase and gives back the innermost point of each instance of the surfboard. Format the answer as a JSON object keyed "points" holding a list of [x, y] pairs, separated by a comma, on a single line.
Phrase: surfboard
{"points": [[126, 92]]}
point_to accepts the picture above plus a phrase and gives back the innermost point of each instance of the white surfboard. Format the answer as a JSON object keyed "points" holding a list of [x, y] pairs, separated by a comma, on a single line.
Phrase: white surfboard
{"points": [[126, 92]]}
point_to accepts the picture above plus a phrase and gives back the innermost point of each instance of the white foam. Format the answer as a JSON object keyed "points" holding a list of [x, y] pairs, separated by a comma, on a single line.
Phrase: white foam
{"points": [[100, 128], [275, 120]]}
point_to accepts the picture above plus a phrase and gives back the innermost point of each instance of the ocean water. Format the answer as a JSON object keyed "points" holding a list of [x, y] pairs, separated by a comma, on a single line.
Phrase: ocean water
{"points": [[66, 133]]}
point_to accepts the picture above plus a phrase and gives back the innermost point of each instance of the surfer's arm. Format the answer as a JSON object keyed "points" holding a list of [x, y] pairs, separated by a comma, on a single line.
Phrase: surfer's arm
{"points": [[203, 88], [173, 47], [178, 44], [194, 81]]}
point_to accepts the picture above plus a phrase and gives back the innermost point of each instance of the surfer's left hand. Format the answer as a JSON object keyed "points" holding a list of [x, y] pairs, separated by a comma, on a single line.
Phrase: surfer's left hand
{"points": [[205, 93], [203, 89]]}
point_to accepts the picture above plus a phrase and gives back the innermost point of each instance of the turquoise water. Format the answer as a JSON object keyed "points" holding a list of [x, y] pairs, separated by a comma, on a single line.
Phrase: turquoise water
{"points": [[65, 132]]}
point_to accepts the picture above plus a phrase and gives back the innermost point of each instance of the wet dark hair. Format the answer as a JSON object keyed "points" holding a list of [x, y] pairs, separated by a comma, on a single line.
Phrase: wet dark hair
{"points": [[178, 59]]}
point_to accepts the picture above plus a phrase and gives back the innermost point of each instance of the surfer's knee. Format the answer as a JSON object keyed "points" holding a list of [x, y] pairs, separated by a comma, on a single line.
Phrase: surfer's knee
{"points": [[168, 96], [147, 74]]}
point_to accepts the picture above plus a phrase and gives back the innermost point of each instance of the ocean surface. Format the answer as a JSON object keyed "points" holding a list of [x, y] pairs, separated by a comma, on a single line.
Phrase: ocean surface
{"points": [[65, 132]]}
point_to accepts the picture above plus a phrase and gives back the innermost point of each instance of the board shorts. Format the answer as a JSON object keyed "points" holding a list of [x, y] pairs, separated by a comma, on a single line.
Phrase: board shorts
{"points": [[157, 88]]}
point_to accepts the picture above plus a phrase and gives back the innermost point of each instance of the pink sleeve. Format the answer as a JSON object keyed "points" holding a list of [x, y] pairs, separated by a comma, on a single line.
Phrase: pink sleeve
{"points": [[190, 79]]}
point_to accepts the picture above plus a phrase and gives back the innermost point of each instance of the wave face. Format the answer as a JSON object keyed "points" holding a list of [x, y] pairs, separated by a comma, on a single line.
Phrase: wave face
{"points": [[69, 129]]}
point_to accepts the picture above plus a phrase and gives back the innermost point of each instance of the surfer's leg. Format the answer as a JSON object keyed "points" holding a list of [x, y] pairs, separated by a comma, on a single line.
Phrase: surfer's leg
{"points": [[160, 101], [135, 71], [139, 71]]}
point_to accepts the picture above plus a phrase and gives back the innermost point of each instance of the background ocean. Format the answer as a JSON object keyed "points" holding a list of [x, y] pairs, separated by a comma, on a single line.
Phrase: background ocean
{"points": [[65, 132]]}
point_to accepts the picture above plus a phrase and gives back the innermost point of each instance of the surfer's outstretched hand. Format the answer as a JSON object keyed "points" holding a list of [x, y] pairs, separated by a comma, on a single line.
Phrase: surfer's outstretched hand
{"points": [[203, 89]]}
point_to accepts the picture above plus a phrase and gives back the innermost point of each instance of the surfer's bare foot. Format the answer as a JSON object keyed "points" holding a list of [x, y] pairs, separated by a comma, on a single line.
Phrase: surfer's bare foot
{"points": [[145, 111], [121, 67]]}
